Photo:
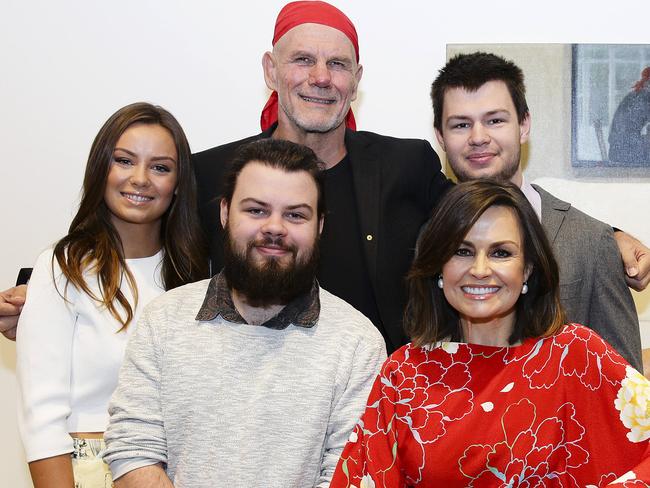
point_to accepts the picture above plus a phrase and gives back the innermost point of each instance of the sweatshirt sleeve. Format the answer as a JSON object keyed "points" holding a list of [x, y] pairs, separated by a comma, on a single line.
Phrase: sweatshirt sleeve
{"points": [[136, 435], [44, 361], [348, 407]]}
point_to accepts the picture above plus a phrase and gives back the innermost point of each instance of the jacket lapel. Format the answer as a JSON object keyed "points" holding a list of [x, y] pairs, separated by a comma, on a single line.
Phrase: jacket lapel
{"points": [[553, 213]]}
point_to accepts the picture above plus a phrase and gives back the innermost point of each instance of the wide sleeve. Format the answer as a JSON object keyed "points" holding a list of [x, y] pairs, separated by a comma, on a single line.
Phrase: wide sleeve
{"points": [[136, 435], [632, 405], [349, 404], [44, 361], [612, 311], [613, 399], [370, 457]]}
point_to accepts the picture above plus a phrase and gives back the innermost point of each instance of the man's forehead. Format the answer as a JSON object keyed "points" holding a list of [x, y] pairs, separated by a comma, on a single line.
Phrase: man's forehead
{"points": [[315, 37], [262, 182], [491, 96]]}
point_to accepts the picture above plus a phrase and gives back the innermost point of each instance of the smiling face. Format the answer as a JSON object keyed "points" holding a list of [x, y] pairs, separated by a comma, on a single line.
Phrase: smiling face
{"points": [[313, 68], [481, 134], [272, 230], [484, 277], [142, 177]]}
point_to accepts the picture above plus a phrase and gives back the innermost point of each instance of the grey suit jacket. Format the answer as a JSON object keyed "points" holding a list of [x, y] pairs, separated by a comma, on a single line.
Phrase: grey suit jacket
{"points": [[592, 282]]}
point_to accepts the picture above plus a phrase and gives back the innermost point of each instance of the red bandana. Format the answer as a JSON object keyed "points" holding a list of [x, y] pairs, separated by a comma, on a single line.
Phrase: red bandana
{"points": [[304, 12]]}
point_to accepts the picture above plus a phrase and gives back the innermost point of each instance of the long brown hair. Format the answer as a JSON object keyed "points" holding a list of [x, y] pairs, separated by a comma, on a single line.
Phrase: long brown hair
{"points": [[429, 317], [93, 244]]}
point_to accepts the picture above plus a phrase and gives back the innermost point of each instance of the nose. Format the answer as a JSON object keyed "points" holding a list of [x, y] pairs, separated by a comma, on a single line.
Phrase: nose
{"points": [[320, 75], [481, 266], [274, 226], [479, 135], [139, 176]]}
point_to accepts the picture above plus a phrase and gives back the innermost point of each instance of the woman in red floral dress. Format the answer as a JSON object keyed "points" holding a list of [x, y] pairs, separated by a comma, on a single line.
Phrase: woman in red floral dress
{"points": [[494, 391]]}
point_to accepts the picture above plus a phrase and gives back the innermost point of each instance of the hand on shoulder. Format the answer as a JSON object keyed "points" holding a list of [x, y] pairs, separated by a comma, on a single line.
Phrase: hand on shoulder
{"points": [[11, 304], [636, 259]]}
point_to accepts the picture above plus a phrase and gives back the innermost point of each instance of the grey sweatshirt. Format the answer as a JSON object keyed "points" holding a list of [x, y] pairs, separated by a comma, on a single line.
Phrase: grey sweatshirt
{"points": [[230, 405]]}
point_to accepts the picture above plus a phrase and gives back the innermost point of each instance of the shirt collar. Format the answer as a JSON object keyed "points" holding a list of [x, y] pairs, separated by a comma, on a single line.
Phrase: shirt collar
{"points": [[532, 196], [302, 311]]}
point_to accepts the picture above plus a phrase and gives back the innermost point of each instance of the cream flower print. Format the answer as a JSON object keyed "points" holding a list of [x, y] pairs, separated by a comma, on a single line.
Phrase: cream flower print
{"points": [[367, 482], [633, 401]]}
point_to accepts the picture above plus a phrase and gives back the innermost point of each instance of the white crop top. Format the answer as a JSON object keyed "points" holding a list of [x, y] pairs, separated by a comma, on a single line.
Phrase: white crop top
{"points": [[69, 355]]}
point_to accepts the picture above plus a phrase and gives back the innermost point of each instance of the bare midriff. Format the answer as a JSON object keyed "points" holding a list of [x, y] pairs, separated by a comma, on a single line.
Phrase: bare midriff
{"points": [[87, 435]]}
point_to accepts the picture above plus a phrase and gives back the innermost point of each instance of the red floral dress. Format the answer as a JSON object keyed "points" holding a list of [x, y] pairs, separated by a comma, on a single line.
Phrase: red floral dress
{"points": [[561, 411]]}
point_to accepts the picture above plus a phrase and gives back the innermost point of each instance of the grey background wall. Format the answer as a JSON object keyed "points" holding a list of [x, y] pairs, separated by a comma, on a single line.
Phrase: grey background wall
{"points": [[67, 65]]}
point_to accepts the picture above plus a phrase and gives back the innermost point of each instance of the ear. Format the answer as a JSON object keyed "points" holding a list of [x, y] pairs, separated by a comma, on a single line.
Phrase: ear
{"points": [[524, 129], [440, 139], [357, 77], [223, 212], [528, 270], [268, 65], [321, 221]]}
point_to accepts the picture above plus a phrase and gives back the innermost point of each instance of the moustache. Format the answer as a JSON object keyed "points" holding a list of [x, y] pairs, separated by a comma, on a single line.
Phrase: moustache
{"points": [[273, 243]]}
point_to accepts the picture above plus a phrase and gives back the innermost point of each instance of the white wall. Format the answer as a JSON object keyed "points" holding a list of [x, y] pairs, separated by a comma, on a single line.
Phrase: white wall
{"points": [[65, 66]]}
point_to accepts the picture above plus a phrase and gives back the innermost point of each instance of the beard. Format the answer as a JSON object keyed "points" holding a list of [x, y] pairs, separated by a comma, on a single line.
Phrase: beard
{"points": [[503, 175], [270, 282]]}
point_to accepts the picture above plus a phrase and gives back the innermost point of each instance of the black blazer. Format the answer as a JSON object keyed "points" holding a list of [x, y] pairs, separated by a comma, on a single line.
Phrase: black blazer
{"points": [[397, 183]]}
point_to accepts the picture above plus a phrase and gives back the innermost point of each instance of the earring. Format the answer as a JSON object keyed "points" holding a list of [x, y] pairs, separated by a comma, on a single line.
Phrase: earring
{"points": [[440, 282], [524, 289]]}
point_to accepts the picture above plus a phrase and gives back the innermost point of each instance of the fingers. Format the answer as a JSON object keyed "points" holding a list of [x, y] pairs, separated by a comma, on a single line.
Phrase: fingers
{"points": [[10, 334], [640, 277], [11, 304]]}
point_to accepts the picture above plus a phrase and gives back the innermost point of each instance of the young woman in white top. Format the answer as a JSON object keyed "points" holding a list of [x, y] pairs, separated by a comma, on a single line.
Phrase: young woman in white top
{"points": [[136, 234]]}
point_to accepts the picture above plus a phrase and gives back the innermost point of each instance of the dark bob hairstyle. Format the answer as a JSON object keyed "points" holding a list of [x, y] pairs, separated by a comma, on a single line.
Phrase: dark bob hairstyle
{"points": [[428, 317]]}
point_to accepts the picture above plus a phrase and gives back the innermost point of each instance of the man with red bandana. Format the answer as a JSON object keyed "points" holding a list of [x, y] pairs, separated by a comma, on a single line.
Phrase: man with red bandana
{"points": [[379, 190]]}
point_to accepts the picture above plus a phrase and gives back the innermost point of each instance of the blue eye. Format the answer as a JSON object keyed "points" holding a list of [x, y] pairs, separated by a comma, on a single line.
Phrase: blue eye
{"points": [[295, 216]]}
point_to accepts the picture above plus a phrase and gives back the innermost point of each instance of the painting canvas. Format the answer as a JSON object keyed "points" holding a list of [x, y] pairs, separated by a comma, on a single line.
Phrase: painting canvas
{"points": [[610, 105]]}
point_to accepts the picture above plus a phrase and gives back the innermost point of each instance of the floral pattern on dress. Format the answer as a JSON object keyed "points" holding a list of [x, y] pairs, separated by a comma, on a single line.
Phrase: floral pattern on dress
{"points": [[418, 396], [551, 412], [570, 356], [530, 453], [633, 401]]}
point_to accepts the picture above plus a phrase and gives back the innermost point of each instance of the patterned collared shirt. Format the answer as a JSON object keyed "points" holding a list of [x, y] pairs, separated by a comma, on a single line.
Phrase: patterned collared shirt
{"points": [[302, 311]]}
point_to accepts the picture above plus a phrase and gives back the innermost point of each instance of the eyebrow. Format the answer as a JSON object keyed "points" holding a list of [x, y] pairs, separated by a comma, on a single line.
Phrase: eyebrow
{"points": [[487, 114], [155, 158], [264, 204], [494, 244], [308, 54]]}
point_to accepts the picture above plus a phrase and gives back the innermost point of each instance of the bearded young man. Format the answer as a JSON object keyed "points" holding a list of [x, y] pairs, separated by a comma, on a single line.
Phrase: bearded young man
{"points": [[257, 376], [481, 119]]}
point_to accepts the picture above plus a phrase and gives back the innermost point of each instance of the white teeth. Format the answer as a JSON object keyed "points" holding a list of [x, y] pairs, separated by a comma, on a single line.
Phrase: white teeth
{"points": [[318, 100], [137, 198], [480, 290]]}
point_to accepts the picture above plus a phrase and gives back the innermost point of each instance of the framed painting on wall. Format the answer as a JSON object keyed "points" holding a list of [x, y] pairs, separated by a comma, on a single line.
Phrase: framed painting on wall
{"points": [[610, 101]]}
